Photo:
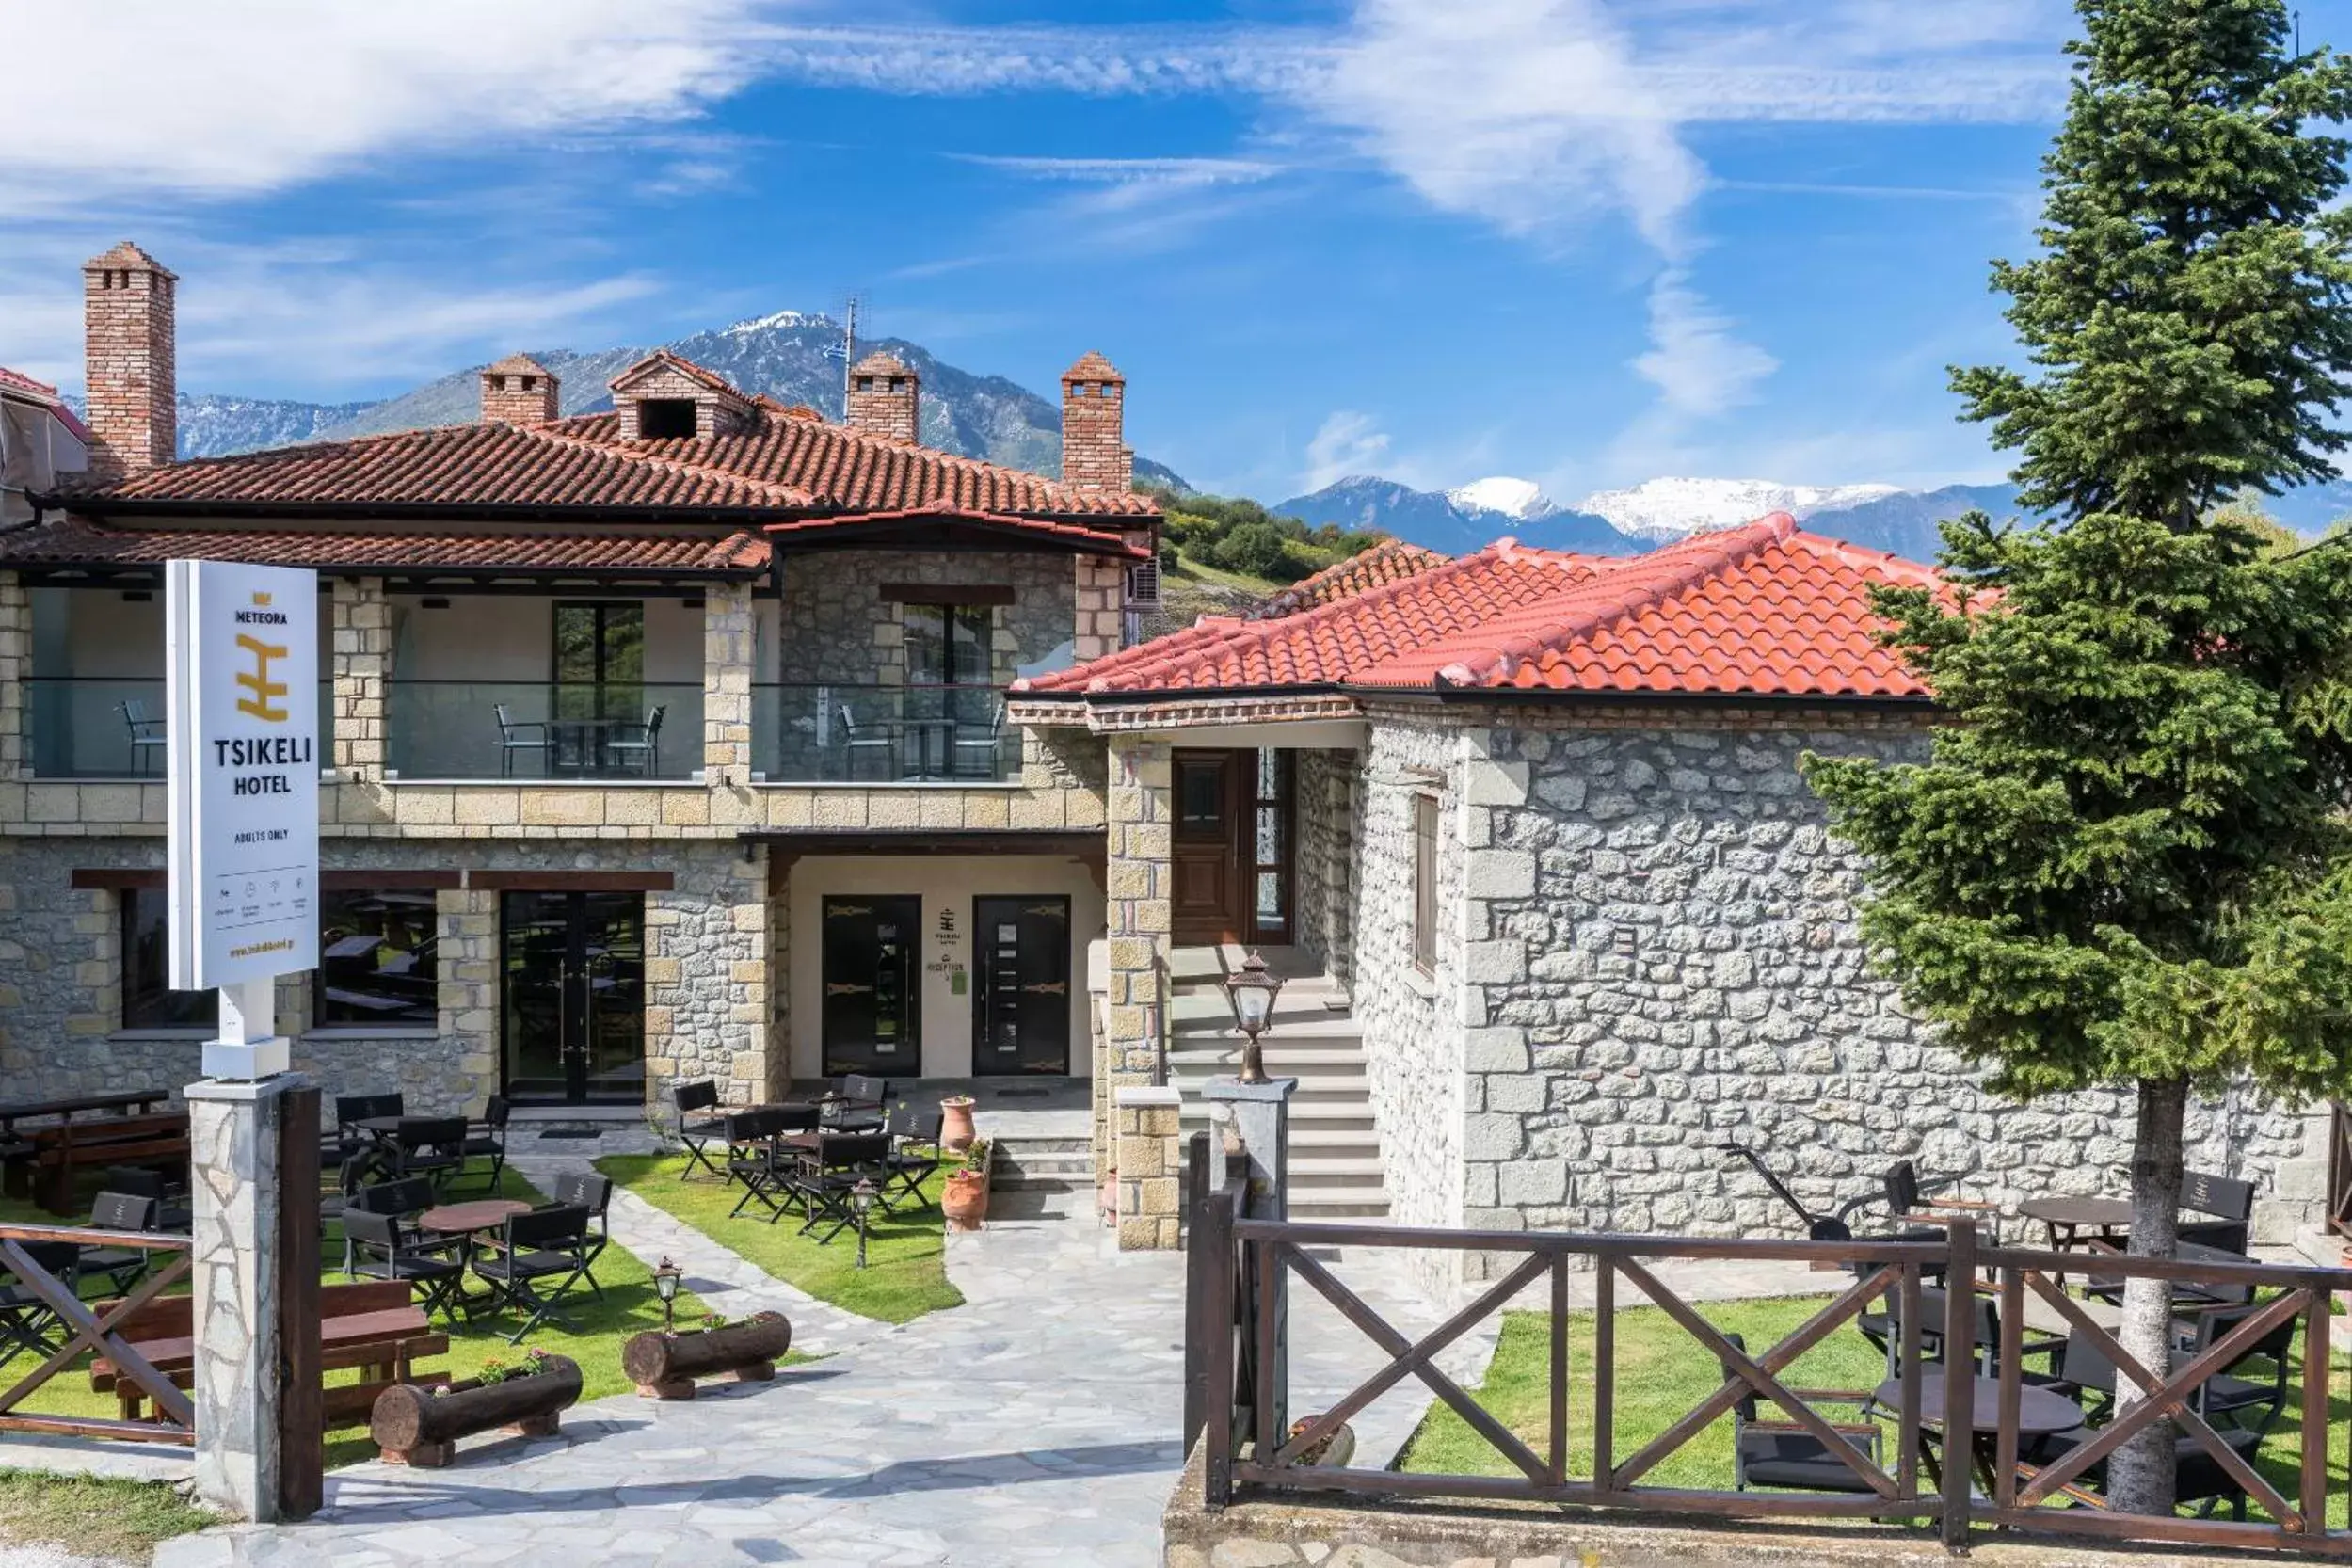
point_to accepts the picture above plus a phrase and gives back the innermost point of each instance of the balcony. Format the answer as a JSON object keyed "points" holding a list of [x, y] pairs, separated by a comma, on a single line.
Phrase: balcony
{"points": [[870, 734], [98, 726], [539, 729]]}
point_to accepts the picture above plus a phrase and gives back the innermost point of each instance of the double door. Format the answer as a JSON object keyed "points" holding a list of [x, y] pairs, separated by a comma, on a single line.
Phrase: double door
{"points": [[572, 996], [1019, 982], [1230, 855]]}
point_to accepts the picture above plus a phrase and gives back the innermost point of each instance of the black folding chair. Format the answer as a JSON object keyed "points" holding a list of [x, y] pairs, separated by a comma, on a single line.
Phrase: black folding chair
{"points": [[2252, 1404], [407, 1197], [546, 1244], [695, 1129], [145, 1182], [27, 1322], [384, 1248], [430, 1147], [914, 1149], [486, 1139], [1777, 1452], [593, 1192], [757, 1159], [857, 1104], [826, 1181], [2227, 1209], [120, 1267]]}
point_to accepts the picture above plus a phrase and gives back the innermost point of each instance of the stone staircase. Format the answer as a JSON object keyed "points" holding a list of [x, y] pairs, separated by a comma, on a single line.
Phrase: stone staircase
{"points": [[1335, 1167], [1042, 1175]]}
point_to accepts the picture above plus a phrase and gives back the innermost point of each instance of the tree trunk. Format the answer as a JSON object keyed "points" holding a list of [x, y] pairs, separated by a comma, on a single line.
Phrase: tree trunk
{"points": [[2139, 1473]]}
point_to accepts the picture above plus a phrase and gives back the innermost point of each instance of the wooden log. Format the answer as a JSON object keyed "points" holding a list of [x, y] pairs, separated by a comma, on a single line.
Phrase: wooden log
{"points": [[414, 1425], [664, 1365]]}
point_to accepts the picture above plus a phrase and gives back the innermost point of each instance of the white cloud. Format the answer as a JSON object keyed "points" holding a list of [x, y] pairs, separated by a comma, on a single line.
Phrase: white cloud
{"points": [[242, 96], [1347, 442], [1162, 171], [1699, 368]]}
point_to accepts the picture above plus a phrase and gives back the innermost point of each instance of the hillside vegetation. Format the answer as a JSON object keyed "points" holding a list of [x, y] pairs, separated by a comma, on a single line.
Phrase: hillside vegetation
{"points": [[1239, 543]]}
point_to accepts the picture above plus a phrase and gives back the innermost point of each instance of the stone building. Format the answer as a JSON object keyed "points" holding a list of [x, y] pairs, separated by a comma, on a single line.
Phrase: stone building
{"points": [[667, 742], [1540, 839]]}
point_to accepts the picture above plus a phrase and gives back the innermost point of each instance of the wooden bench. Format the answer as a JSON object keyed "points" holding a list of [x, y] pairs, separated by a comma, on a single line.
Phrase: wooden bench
{"points": [[374, 1326], [56, 1153]]}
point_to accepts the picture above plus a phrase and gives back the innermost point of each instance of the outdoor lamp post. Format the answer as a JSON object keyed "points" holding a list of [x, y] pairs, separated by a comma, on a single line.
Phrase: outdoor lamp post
{"points": [[861, 1203], [1251, 992], [665, 1278]]}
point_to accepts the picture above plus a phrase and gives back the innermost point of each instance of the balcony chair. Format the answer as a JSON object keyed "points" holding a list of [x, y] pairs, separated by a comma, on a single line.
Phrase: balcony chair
{"points": [[2252, 1404], [147, 735], [384, 1248], [1908, 1198], [976, 748], [546, 1244], [864, 741], [1884, 1330], [1781, 1455], [636, 748], [515, 737]]}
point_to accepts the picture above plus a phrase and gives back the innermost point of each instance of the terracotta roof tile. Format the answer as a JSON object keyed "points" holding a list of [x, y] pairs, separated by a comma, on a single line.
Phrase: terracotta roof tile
{"points": [[77, 542], [1391, 561], [1764, 609], [1107, 540]]}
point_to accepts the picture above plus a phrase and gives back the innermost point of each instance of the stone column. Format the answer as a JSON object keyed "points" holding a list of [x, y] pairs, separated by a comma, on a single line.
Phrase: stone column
{"points": [[1150, 1160], [727, 657], [1101, 594], [362, 665], [233, 1143], [16, 662], [1137, 888], [467, 987]]}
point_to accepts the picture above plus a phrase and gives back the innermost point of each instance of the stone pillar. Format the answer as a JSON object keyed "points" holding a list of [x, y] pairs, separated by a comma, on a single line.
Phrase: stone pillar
{"points": [[1137, 888], [362, 666], [729, 639], [1259, 1115], [1101, 597], [1150, 1157], [16, 662], [466, 986], [233, 1143]]}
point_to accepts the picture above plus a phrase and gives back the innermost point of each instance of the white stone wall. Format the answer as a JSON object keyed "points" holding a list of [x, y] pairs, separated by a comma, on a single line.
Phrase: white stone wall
{"points": [[1658, 954]]}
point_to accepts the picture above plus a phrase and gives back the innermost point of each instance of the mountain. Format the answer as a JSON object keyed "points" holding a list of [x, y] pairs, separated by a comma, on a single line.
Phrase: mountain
{"points": [[792, 356], [1460, 520], [1905, 521], [1659, 509]]}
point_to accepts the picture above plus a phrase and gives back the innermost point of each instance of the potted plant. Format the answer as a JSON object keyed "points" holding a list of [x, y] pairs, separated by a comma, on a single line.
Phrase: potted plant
{"points": [[965, 1200], [420, 1426], [956, 1123], [664, 1364], [1333, 1450]]}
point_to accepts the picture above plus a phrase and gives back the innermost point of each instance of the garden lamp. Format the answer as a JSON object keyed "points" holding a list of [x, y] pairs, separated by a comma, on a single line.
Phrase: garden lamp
{"points": [[1251, 992], [665, 1278], [861, 1203]]}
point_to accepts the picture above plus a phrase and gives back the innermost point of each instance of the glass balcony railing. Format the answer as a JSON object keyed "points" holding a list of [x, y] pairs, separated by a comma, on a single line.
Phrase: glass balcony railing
{"points": [[843, 734], [538, 730], [95, 727]]}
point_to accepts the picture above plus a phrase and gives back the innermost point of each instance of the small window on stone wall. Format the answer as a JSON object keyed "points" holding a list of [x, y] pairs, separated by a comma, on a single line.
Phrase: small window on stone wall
{"points": [[375, 960], [665, 418], [148, 1000], [1425, 883]]}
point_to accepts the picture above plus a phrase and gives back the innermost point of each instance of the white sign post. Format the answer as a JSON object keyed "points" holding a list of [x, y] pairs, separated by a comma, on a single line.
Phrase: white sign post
{"points": [[243, 747]]}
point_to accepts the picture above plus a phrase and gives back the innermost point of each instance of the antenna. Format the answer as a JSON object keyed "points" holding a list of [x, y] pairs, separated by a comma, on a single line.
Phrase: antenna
{"points": [[849, 342]]}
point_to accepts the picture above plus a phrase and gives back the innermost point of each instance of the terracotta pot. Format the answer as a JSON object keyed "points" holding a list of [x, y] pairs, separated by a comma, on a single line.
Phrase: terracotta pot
{"points": [[955, 1124], [1110, 1200], [966, 1200]]}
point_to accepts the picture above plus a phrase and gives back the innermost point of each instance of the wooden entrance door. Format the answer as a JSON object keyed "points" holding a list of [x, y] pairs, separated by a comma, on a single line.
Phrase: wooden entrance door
{"points": [[1205, 857]]}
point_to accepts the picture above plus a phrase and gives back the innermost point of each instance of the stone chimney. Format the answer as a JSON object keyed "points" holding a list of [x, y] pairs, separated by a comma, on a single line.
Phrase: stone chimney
{"points": [[518, 390], [1094, 453], [131, 351], [885, 398]]}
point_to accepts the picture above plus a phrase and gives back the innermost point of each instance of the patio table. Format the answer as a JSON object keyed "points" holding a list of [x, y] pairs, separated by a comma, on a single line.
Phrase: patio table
{"points": [[466, 1222], [2067, 1219], [2039, 1413]]}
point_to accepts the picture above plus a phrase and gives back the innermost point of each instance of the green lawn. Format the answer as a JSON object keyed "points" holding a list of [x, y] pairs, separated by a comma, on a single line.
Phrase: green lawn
{"points": [[90, 1517], [628, 1308], [1661, 1374], [905, 1273]]}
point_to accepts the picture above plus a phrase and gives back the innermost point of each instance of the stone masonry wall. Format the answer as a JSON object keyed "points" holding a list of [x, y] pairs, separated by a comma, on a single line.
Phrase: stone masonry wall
{"points": [[1660, 956], [1324, 864]]}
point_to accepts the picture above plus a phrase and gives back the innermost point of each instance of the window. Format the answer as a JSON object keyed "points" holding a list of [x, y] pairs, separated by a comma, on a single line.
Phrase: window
{"points": [[665, 418], [375, 960], [1270, 845], [599, 661], [1425, 884], [148, 1000], [947, 645]]}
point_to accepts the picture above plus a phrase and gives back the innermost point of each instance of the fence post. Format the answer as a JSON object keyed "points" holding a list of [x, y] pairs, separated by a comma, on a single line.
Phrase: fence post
{"points": [[1960, 1381], [1197, 1321], [301, 1410], [1213, 1255], [1260, 1116]]}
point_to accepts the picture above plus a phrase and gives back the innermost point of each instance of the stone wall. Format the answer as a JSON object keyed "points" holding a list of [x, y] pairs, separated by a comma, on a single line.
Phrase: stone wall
{"points": [[1324, 859], [1659, 955]]}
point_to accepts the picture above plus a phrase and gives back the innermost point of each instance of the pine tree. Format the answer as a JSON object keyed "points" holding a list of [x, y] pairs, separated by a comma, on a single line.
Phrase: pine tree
{"points": [[2127, 860]]}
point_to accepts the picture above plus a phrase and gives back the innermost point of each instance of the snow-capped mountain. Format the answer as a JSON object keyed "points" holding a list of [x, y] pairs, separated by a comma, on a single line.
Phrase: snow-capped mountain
{"points": [[1663, 509], [1457, 521], [1513, 498]]}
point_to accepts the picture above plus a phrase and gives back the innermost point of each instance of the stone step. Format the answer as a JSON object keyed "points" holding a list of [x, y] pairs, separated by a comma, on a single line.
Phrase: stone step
{"points": [[1354, 1203], [1329, 1170], [1326, 1087], [1014, 1142]]}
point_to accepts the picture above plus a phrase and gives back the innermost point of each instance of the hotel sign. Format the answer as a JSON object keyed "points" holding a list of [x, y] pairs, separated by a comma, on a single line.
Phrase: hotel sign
{"points": [[242, 722]]}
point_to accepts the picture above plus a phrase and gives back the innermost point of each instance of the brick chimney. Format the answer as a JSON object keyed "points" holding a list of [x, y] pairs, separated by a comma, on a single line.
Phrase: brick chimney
{"points": [[131, 358], [1094, 455], [885, 398], [518, 390]]}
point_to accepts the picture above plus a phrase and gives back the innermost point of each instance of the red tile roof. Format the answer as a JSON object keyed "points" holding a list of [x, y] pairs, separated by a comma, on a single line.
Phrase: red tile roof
{"points": [[1390, 561], [77, 542], [842, 528], [781, 461], [43, 393], [1765, 609]]}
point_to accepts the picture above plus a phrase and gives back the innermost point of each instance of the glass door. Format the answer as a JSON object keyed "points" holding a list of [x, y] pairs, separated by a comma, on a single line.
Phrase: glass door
{"points": [[572, 996], [1021, 1004], [873, 1015], [600, 680]]}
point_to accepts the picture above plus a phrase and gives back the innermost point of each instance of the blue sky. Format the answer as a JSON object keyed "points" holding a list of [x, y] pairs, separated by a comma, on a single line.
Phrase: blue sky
{"points": [[1583, 241]]}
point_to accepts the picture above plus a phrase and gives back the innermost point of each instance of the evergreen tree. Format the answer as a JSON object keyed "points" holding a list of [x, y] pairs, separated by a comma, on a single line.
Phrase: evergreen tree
{"points": [[2127, 860]]}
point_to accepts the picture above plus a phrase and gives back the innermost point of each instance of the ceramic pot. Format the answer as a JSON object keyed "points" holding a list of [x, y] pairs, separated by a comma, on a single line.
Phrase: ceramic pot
{"points": [[955, 1124], [966, 1200]]}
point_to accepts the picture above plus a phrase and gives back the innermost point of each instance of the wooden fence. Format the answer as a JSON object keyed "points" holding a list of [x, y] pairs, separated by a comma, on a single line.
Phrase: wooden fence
{"points": [[1240, 1268], [87, 1330]]}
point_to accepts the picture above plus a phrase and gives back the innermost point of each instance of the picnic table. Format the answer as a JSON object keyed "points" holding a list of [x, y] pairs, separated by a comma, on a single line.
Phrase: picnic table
{"points": [[374, 1326], [90, 1130], [65, 1110]]}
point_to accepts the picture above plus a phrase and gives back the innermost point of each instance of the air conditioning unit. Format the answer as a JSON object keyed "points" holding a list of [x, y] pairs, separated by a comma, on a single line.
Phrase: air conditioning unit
{"points": [[1143, 586]]}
